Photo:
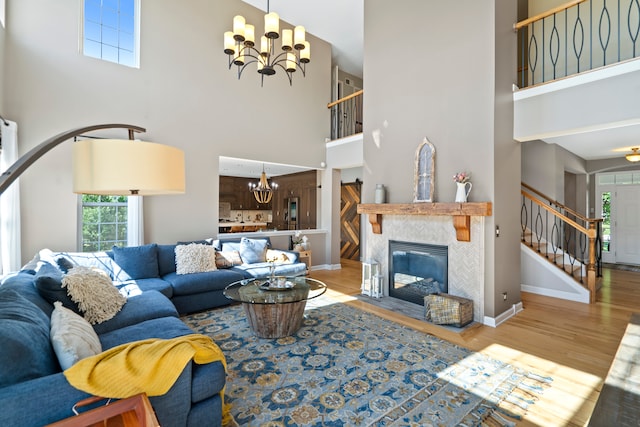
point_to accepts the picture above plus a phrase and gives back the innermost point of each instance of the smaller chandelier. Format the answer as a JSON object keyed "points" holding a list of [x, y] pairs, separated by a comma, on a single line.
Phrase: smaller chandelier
{"points": [[635, 156], [262, 192], [240, 46]]}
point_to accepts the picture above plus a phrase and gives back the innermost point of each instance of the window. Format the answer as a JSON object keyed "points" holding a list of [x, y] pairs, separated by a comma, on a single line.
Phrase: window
{"points": [[104, 222], [606, 220], [111, 30]]}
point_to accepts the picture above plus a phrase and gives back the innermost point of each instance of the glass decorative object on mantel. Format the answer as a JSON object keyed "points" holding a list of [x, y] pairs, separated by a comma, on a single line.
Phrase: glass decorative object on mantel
{"points": [[424, 172]]}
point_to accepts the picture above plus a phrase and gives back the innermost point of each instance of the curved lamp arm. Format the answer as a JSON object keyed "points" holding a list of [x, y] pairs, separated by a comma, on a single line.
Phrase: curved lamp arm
{"points": [[16, 169]]}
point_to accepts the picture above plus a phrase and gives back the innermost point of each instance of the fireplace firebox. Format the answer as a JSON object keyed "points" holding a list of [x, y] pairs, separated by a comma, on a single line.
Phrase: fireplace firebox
{"points": [[416, 270]]}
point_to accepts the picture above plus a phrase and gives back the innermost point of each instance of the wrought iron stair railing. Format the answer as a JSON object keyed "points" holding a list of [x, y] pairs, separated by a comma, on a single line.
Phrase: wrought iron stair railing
{"points": [[346, 115], [577, 36], [567, 239]]}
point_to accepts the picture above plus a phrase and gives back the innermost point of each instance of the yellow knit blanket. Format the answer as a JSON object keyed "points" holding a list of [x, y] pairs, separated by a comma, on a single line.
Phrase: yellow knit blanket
{"points": [[149, 366]]}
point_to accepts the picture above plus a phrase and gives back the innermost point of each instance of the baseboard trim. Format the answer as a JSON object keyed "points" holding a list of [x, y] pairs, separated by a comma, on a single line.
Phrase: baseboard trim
{"points": [[584, 298], [326, 267], [503, 317]]}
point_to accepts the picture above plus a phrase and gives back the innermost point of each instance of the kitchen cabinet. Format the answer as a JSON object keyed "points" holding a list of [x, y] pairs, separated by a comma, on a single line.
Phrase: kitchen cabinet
{"points": [[302, 186], [235, 191]]}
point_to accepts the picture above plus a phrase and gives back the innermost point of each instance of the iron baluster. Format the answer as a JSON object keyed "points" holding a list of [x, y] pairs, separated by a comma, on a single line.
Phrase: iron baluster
{"points": [[554, 37], [634, 37], [577, 25], [604, 44]]}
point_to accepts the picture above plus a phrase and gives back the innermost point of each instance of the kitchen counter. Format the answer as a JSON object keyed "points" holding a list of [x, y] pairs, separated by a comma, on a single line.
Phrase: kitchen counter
{"points": [[242, 224]]}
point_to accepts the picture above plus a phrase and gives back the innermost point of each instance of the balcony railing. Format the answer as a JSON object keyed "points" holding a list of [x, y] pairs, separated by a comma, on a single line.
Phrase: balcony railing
{"points": [[346, 115], [578, 36]]}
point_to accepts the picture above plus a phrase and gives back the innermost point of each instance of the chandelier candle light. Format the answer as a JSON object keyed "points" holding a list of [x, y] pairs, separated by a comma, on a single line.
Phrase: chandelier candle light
{"points": [[240, 46], [262, 192]]}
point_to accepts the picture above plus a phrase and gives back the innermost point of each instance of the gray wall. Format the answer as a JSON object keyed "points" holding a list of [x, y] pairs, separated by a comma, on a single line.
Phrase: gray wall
{"points": [[451, 84], [183, 94], [544, 166]]}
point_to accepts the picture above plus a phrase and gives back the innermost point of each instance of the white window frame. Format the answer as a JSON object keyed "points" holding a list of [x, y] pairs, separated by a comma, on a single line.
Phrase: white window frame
{"points": [[135, 226], [135, 63], [618, 180]]}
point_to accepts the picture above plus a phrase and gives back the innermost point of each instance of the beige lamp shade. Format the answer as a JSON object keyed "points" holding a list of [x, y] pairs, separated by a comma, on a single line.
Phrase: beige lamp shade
{"points": [[126, 167]]}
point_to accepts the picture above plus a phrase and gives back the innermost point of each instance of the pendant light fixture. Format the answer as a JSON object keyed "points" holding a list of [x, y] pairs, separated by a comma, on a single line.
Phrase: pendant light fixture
{"points": [[635, 156], [240, 46], [262, 192]]}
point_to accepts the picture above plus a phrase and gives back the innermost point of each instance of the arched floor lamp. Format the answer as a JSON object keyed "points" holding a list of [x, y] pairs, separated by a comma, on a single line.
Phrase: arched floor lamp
{"points": [[112, 166]]}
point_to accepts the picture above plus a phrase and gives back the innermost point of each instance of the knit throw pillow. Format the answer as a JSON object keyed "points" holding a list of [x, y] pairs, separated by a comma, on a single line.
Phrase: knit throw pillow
{"points": [[195, 258], [94, 293]]}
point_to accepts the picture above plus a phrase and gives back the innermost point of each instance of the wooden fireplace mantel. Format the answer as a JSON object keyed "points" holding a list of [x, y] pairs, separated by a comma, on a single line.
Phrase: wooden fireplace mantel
{"points": [[461, 213]]}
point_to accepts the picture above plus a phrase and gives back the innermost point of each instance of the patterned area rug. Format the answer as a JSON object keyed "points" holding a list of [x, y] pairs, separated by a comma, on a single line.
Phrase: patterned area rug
{"points": [[346, 367]]}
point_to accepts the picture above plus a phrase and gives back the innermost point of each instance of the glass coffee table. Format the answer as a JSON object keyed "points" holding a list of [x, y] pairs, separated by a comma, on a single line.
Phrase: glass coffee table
{"points": [[275, 308]]}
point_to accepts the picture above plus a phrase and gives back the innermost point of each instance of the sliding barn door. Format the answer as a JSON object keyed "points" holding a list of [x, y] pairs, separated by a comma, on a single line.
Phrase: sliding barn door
{"points": [[350, 221]]}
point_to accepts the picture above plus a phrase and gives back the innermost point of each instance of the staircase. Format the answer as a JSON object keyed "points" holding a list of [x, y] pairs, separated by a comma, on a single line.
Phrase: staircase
{"points": [[555, 237]]}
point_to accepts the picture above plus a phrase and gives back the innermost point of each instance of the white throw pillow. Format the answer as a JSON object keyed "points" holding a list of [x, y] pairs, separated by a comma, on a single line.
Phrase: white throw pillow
{"points": [[72, 337], [98, 299], [195, 258]]}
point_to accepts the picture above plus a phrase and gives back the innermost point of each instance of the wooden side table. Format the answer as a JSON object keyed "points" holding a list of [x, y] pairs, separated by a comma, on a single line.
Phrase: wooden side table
{"points": [[305, 256], [135, 411]]}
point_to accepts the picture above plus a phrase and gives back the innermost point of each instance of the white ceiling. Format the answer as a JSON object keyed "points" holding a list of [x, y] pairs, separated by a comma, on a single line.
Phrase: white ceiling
{"points": [[600, 144]]}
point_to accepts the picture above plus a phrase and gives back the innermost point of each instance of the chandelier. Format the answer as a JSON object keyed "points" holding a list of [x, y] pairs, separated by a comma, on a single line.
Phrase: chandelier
{"points": [[262, 192], [635, 156], [240, 46]]}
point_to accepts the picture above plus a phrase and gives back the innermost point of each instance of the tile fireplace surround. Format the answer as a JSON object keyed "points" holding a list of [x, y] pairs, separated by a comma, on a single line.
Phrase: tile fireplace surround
{"points": [[466, 259]]}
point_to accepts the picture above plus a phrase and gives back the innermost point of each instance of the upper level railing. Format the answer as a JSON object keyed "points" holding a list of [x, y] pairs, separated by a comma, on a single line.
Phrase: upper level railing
{"points": [[566, 238], [577, 36], [346, 115]]}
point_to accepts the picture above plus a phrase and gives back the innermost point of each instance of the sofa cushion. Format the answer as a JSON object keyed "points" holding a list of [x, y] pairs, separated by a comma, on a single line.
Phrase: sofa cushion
{"points": [[146, 306], [24, 284], [234, 243], [139, 262], [199, 242], [263, 269], [227, 259], [136, 287], [166, 259], [189, 284], [195, 258], [94, 292], [253, 250], [72, 337], [230, 246], [24, 333], [161, 327]]}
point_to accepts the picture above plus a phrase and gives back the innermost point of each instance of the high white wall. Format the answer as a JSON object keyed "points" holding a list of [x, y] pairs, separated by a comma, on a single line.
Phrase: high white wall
{"points": [[183, 94], [451, 84], [2, 49]]}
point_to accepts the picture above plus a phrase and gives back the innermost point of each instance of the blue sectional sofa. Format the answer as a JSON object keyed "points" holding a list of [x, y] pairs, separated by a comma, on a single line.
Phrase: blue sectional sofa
{"points": [[33, 389], [35, 392]]}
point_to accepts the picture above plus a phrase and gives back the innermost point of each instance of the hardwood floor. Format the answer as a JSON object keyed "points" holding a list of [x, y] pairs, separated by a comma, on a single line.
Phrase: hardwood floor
{"points": [[572, 342]]}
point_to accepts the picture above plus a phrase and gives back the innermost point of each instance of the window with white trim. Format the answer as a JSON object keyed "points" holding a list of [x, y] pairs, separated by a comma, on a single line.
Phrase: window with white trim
{"points": [[111, 30], [104, 222]]}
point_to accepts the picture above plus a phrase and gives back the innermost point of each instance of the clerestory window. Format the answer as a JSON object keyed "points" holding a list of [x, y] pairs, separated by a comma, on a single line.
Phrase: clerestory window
{"points": [[111, 30]]}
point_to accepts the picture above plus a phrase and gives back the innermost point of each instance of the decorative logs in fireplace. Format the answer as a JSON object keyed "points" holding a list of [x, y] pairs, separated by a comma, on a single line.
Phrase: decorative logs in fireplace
{"points": [[461, 213]]}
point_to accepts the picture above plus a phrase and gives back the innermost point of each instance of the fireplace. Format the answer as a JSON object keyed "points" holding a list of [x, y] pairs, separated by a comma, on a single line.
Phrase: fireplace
{"points": [[416, 270]]}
